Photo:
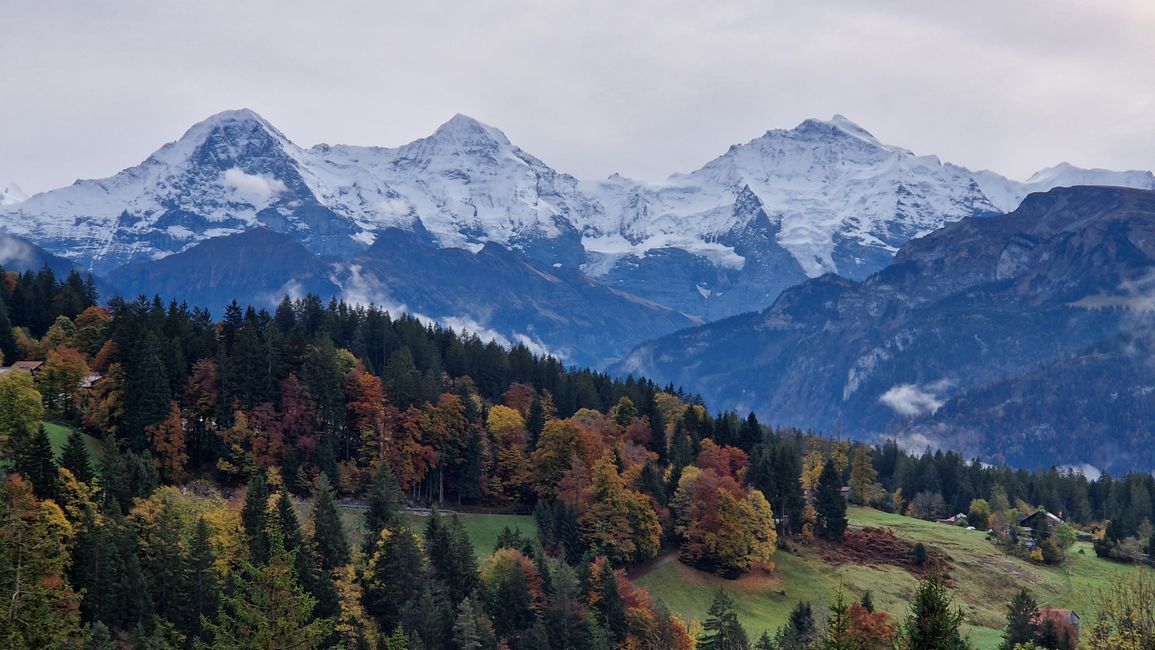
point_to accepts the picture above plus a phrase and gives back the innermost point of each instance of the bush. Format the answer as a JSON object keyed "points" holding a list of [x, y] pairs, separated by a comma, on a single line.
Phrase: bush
{"points": [[1052, 552], [920, 554]]}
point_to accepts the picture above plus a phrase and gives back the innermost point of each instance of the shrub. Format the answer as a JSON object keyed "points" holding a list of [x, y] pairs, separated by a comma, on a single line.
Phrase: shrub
{"points": [[920, 554]]}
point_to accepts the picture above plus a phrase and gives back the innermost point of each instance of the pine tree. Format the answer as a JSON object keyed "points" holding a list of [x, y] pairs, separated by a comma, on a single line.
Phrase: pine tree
{"points": [[163, 564], [396, 576], [383, 504], [201, 590], [1022, 620], [451, 556], [867, 601], [465, 635], [255, 517], [800, 631], [721, 629], [34, 460], [829, 504], [765, 642], [566, 620], [75, 457], [268, 609], [933, 621], [328, 532], [611, 608], [319, 584], [837, 635]]}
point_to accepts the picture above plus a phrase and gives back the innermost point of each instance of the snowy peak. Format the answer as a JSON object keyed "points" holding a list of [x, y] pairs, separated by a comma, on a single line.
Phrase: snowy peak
{"points": [[1066, 175], [826, 193], [464, 131], [12, 194]]}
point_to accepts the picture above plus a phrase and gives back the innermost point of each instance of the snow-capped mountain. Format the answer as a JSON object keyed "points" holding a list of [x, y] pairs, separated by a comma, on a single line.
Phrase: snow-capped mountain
{"points": [[825, 196], [11, 194]]}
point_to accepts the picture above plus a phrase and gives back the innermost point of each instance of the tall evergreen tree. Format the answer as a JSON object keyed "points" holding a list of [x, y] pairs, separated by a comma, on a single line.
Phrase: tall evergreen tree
{"points": [[800, 631], [268, 609], [610, 606], [201, 589], [75, 458], [255, 518], [314, 581], [1022, 620], [383, 504], [33, 459], [829, 504], [933, 620], [721, 629], [328, 532]]}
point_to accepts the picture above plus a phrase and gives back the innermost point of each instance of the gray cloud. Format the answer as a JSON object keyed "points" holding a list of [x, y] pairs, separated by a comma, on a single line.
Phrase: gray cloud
{"points": [[644, 88]]}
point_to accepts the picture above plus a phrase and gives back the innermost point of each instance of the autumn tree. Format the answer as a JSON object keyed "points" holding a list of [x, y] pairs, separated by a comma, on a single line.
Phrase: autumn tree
{"points": [[60, 378], [619, 522], [863, 477], [168, 441], [40, 608], [510, 473], [21, 407]]}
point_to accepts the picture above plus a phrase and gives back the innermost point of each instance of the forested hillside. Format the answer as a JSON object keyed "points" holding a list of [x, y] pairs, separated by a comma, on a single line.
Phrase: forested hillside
{"points": [[211, 517]]}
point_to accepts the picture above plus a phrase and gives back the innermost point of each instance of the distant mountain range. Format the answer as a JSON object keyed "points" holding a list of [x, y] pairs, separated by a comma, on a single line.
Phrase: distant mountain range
{"points": [[824, 197], [1026, 337]]}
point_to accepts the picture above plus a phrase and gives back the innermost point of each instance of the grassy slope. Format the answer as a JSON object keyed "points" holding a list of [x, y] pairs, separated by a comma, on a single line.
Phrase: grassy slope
{"points": [[482, 529], [58, 435], [984, 580]]}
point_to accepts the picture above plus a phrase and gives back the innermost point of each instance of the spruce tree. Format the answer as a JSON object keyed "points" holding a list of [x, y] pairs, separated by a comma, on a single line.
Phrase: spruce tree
{"points": [[800, 631], [513, 610], [34, 460], [611, 608], [255, 517], [396, 576], [721, 629], [268, 608], [328, 532], [75, 458], [933, 620], [383, 505], [465, 635], [315, 582], [201, 591], [829, 504], [1022, 620]]}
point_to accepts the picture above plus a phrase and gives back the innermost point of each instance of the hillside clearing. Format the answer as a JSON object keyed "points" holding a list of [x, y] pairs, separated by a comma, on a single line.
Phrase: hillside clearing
{"points": [[982, 577]]}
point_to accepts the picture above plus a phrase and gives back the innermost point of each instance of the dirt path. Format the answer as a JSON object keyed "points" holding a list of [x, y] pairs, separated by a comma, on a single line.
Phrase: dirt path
{"points": [[643, 570]]}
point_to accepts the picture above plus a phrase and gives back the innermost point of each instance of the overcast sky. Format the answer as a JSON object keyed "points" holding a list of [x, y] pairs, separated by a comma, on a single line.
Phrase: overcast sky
{"points": [[590, 87]]}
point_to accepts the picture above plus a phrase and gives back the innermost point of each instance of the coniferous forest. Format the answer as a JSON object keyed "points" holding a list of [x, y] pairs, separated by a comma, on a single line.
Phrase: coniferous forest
{"points": [[288, 479]]}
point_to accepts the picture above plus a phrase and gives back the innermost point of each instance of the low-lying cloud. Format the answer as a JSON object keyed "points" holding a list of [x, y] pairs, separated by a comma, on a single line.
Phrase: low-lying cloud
{"points": [[255, 189], [910, 399]]}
